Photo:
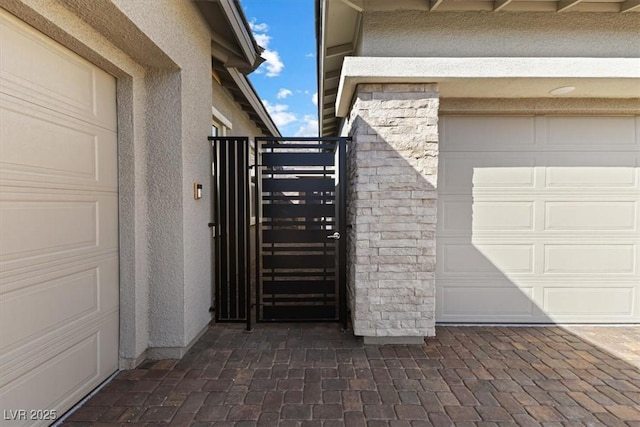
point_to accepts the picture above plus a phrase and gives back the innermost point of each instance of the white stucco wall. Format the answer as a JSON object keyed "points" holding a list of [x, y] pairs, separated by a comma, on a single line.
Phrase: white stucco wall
{"points": [[477, 34], [160, 53]]}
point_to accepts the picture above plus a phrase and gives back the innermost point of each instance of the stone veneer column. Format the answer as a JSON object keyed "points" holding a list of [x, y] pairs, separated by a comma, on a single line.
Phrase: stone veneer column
{"points": [[393, 162]]}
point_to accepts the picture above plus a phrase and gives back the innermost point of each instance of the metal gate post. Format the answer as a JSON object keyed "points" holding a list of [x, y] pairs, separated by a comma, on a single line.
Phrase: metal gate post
{"points": [[341, 200]]}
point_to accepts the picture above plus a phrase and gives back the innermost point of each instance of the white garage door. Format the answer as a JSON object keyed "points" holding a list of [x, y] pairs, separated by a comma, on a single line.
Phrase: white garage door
{"points": [[58, 222], [538, 219]]}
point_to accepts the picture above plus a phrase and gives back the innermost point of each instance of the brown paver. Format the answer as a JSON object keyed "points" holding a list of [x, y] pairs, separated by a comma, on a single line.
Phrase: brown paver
{"points": [[315, 375]]}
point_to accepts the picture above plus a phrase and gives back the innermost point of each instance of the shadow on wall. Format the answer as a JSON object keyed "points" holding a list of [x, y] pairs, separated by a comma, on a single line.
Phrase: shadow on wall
{"points": [[541, 234], [538, 220], [392, 213]]}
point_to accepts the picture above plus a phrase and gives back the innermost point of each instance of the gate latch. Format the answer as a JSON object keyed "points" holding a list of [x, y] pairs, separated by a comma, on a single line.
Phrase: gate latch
{"points": [[334, 236]]}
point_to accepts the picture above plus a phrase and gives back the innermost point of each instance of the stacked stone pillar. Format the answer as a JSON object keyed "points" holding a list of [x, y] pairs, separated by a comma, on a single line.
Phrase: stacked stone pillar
{"points": [[393, 162]]}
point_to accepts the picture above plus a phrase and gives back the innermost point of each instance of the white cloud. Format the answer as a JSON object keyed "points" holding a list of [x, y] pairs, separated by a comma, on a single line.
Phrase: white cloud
{"points": [[314, 99], [309, 127], [310, 55], [283, 93], [263, 27], [262, 39], [273, 64], [280, 114]]}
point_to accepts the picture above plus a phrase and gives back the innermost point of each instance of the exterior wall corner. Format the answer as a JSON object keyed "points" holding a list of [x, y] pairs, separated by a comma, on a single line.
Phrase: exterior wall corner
{"points": [[393, 166]]}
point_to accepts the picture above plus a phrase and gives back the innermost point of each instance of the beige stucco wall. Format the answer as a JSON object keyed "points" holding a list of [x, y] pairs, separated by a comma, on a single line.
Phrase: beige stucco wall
{"points": [[478, 34], [180, 240], [224, 103], [159, 52]]}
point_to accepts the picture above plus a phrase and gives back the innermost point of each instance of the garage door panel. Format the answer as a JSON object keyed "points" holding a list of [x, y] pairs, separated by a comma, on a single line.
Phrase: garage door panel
{"points": [[42, 146], [540, 133], [41, 71], [39, 228], [591, 216], [594, 301], [501, 216], [590, 258], [593, 177], [582, 133], [34, 387], [478, 133], [462, 173], [459, 215], [464, 258], [61, 376], [487, 303], [37, 306], [454, 215]]}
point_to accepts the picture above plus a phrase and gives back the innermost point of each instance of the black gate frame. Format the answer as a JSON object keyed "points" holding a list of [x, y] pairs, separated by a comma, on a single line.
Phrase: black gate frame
{"points": [[232, 225], [231, 228], [339, 146]]}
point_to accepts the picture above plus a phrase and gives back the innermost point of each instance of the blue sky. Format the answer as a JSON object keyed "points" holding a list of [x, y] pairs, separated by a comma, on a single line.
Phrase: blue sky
{"points": [[286, 82]]}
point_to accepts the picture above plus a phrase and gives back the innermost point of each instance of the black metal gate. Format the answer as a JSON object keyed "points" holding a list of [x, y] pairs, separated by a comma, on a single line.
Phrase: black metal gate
{"points": [[231, 223], [301, 262], [299, 249]]}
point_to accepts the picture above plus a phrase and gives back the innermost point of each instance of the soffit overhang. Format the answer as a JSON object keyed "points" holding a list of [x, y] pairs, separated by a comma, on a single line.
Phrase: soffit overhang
{"points": [[338, 28], [495, 77], [232, 42], [234, 54], [246, 97]]}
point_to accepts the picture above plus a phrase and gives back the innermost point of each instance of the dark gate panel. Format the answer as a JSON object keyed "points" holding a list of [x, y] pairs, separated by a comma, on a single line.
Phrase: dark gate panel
{"points": [[300, 268], [231, 229]]}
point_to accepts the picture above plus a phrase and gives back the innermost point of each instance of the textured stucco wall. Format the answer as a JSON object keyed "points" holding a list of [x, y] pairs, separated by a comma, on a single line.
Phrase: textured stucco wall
{"points": [[477, 34], [181, 260], [159, 52]]}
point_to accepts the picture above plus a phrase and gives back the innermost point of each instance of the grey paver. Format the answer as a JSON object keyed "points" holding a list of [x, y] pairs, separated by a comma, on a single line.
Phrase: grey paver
{"points": [[315, 375]]}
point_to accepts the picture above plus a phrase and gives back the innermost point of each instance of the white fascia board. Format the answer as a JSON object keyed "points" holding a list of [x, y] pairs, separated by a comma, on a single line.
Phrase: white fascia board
{"points": [[249, 93], [322, 4], [242, 33], [221, 118], [358, 70]]}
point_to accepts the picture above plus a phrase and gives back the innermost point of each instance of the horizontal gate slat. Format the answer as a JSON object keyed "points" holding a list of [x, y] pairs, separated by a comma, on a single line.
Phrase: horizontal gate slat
{"points": [[275, 250], [299, 287], [298, 261], [299, 312], [301, 275], [298, 159], [309, 171], [301, 299], [298, 146], [321, 184], [308, 198], [297, 211], [275, 223]]}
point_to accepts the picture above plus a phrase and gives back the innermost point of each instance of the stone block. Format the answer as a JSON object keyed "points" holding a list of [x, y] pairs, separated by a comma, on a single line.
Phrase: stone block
{"points": [[401, 235], [385, 275]]}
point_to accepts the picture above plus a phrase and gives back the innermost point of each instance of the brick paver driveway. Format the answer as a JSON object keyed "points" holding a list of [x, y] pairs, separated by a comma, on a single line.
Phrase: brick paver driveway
{"points": [[313, 375]]}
